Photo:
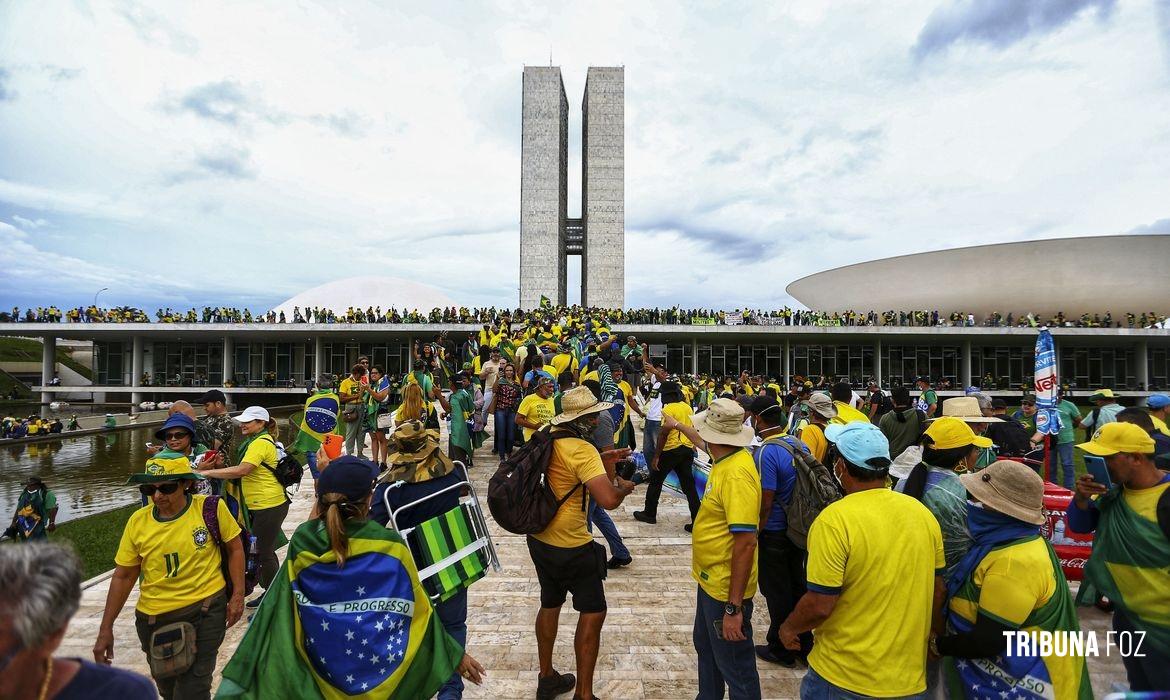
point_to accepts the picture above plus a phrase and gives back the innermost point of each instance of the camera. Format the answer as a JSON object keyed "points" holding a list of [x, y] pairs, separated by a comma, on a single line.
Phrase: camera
{"points": [[628, 470]]}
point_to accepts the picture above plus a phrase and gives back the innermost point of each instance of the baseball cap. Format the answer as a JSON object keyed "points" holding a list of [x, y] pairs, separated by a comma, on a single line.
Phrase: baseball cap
{"points": [[998, 403], [349, 475], [252, 413], [763, 404], [212, 395], [1116, 437], [1158, 401], [823, 405], [949, 432], [1102, 394], [861, 444]]}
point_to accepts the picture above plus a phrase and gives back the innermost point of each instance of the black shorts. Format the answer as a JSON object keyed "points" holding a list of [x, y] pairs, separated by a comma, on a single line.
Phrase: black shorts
{"points": [[579, 570]]}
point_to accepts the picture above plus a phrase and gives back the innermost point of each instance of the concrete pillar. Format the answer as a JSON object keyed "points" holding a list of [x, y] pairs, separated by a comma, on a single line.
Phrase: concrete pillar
{"points": [[48, 369], [965, 365], [1141, 355], [877, 362], [787, 363], [319, 358], [695, 356], [136, 372], [229, 359]]}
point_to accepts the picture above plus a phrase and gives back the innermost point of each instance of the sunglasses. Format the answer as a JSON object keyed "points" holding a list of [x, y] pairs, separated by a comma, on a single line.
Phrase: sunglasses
{"points": [[165, 489], [176, 435]]}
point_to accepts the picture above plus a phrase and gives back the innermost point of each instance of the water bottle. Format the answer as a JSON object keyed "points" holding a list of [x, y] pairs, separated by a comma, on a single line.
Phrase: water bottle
{"points": [[253, 557]]}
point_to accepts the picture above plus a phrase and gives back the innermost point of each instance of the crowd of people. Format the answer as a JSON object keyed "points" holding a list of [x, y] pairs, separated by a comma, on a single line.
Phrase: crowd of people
{"points": [[785, 316], [893, 536]]}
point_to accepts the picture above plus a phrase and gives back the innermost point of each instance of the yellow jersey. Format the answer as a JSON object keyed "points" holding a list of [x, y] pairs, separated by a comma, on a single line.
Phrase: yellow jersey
{"points": [[573, 461], [681, 412], [536, 410], [260, 487], [180, 564], [731, 504]]}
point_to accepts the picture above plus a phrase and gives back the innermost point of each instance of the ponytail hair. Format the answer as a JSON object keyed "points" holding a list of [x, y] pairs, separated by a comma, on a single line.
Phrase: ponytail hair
{"points": [[336, 509], [272, 427]]}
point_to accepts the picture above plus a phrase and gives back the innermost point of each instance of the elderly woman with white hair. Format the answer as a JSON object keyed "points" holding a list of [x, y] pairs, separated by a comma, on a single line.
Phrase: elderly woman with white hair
{"points": [[42, 590]]}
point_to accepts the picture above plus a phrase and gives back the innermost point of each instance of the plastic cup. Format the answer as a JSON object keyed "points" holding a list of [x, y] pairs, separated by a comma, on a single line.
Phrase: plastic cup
{"points": [[333, 444]]}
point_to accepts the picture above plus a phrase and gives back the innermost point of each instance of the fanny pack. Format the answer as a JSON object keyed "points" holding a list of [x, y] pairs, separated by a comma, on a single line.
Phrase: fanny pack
{"points": [[172, 648]]}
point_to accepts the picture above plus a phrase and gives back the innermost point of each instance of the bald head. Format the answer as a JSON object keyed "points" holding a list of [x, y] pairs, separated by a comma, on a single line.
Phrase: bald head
{"points": [[183, 407]]}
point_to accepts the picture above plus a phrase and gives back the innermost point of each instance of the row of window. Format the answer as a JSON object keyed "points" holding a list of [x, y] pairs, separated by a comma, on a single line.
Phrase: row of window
{"points": [[283, 364]]}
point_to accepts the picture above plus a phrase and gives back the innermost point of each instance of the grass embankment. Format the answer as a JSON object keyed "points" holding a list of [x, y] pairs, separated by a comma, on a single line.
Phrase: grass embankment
{"points": [[95, 538], [23, 350]]}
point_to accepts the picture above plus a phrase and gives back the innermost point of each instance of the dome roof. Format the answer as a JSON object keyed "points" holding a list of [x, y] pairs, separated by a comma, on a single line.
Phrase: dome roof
{"points": [[363, 292], [1094, 274]]}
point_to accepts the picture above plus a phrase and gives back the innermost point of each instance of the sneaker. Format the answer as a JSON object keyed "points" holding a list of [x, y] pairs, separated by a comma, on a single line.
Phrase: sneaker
{"points": [[555, 684], [615, 563], [255, 602], [640, 516], [766, 654]]}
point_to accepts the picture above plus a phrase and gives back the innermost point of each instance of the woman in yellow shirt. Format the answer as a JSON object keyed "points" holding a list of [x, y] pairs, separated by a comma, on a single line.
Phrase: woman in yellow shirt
{"points": [[265, 504], [168, 544]]}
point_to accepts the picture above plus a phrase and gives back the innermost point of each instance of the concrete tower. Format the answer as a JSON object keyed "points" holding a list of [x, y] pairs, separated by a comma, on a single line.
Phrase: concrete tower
{"points": [[547, 235], [544, 190]]}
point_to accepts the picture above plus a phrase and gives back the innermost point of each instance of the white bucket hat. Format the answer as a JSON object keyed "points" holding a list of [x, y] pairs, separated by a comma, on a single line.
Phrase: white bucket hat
{"points": [[722, 424]]}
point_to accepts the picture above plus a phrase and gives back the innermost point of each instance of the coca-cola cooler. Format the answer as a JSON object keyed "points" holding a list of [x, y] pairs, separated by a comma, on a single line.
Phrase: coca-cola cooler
{"points": [[1072, 548]]}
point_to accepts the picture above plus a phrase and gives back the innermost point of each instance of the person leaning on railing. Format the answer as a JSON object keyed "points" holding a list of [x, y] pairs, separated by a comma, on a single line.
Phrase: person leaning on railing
{"points": [[183, 593]]}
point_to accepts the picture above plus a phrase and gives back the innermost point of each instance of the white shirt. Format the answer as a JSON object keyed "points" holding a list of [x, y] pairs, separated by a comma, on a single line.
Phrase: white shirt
{"points": [[654, 412]]}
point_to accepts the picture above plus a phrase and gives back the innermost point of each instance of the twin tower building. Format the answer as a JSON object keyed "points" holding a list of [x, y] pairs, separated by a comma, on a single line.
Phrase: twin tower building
{"points": [[547, 235]]}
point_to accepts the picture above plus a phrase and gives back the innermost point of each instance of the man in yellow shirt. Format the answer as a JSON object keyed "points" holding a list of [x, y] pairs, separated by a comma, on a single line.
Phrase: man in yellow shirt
{"points": [[842, 395], [1159, 407], [820, 411], [536, 409], [674, 453], [566, 558], [723, 552], [875, 588]]}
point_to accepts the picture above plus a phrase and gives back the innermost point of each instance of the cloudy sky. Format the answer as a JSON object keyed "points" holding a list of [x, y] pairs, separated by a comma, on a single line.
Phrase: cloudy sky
{"points": [[235, 153]]}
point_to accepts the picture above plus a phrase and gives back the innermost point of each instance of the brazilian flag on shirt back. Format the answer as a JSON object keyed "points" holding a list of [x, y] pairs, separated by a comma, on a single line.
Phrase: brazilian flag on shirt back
{"points": [[366, 630]]}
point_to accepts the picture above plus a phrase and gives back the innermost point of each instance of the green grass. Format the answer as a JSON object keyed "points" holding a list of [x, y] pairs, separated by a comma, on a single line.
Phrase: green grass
{"points": [[7, 383], [95, 538], [23, 350]]}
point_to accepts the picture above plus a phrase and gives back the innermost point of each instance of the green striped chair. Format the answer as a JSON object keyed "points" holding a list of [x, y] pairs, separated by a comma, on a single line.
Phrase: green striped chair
{"points": [[452, 556]]}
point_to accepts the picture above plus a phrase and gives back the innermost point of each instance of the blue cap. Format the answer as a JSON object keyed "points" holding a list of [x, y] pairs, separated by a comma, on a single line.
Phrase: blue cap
{"points": [[349, 475], [859, 443], [1158, 401], [177, 420]]}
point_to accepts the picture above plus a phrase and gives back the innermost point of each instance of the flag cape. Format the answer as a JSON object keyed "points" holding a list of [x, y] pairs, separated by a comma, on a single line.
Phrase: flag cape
{"points": [[1130, 565], [320, 418], [366, 630], [1047, 417], [1018, 675]]}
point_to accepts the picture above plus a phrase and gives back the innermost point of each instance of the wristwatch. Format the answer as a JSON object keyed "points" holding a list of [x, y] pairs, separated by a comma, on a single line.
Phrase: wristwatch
{"points": [[732, 609]]}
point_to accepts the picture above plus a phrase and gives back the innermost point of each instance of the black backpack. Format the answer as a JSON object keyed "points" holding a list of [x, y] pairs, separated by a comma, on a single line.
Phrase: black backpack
{"points": [[519, 496], [289, 470], [247, 540]]}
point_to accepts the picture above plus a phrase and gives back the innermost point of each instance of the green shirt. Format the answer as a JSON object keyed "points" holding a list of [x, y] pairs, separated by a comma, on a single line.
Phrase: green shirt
{"points": [[462, 407], [1068, 412]]}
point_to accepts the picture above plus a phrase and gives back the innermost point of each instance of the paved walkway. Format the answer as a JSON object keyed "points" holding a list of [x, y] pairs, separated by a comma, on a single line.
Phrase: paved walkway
{"points": [[646, 648]]}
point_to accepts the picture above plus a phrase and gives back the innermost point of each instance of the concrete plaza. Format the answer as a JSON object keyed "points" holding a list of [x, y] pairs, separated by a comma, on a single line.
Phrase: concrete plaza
{"points": [[646, 648]]}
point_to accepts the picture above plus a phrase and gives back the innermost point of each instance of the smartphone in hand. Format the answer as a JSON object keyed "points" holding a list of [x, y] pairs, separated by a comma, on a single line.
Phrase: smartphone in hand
{"points": [[1096, 467]]}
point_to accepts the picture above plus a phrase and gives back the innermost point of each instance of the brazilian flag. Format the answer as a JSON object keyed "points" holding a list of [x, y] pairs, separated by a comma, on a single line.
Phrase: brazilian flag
{"points": [[321, 411], [545, 302], [365, 630]]}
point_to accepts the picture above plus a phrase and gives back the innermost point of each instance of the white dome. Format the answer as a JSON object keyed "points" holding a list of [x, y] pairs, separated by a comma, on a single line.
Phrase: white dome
{"points": [[370, 291]]}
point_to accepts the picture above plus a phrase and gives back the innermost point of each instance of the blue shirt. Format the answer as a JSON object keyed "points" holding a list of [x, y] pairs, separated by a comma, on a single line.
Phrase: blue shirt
{"points": [[778, 474], [94, 681]]}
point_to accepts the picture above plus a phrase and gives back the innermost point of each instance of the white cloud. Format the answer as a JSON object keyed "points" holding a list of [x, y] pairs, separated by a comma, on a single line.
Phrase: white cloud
{"points": [[761, 142], [30, 224]]}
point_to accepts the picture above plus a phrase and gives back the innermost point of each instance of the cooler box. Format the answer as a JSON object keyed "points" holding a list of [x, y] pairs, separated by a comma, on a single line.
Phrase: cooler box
{"points": [[1072, 548]]}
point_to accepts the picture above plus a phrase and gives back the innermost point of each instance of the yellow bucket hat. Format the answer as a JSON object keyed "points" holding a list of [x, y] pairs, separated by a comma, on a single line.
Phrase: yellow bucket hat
{"points": [[165, 469], [947, 433]]}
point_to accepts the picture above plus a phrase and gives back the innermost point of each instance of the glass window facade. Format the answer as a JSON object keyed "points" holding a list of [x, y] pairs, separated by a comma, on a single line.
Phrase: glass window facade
{"points": [[1158, 363], [678, 358], [393, 357], [112, 362], [851, 363], [715, 360], [186, 364], [902, 364], [272, 364], [1007, 367], [1097, 367]]}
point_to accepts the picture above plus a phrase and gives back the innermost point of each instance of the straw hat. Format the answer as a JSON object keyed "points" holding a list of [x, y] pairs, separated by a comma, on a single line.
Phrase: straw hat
{"points": [[416, 456], [722, 424], [966, 409], [1008, 487], [576, 402]]}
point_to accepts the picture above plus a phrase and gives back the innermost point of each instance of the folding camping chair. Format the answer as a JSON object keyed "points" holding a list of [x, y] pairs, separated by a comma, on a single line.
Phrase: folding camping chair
{"points": [[455, 547]]}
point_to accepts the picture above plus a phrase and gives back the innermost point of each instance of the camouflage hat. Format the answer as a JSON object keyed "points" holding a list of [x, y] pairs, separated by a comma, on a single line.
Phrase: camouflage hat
{"points": [[416, 456]]}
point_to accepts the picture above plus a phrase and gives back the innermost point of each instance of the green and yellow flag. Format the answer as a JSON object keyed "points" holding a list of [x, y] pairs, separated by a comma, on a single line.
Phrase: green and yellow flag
{"points": [[365, 630]]}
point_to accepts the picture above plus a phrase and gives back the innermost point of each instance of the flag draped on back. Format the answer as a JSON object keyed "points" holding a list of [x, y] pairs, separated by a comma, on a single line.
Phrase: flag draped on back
{"points": [[1047, 417], [321, 411], [366, 630]]}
